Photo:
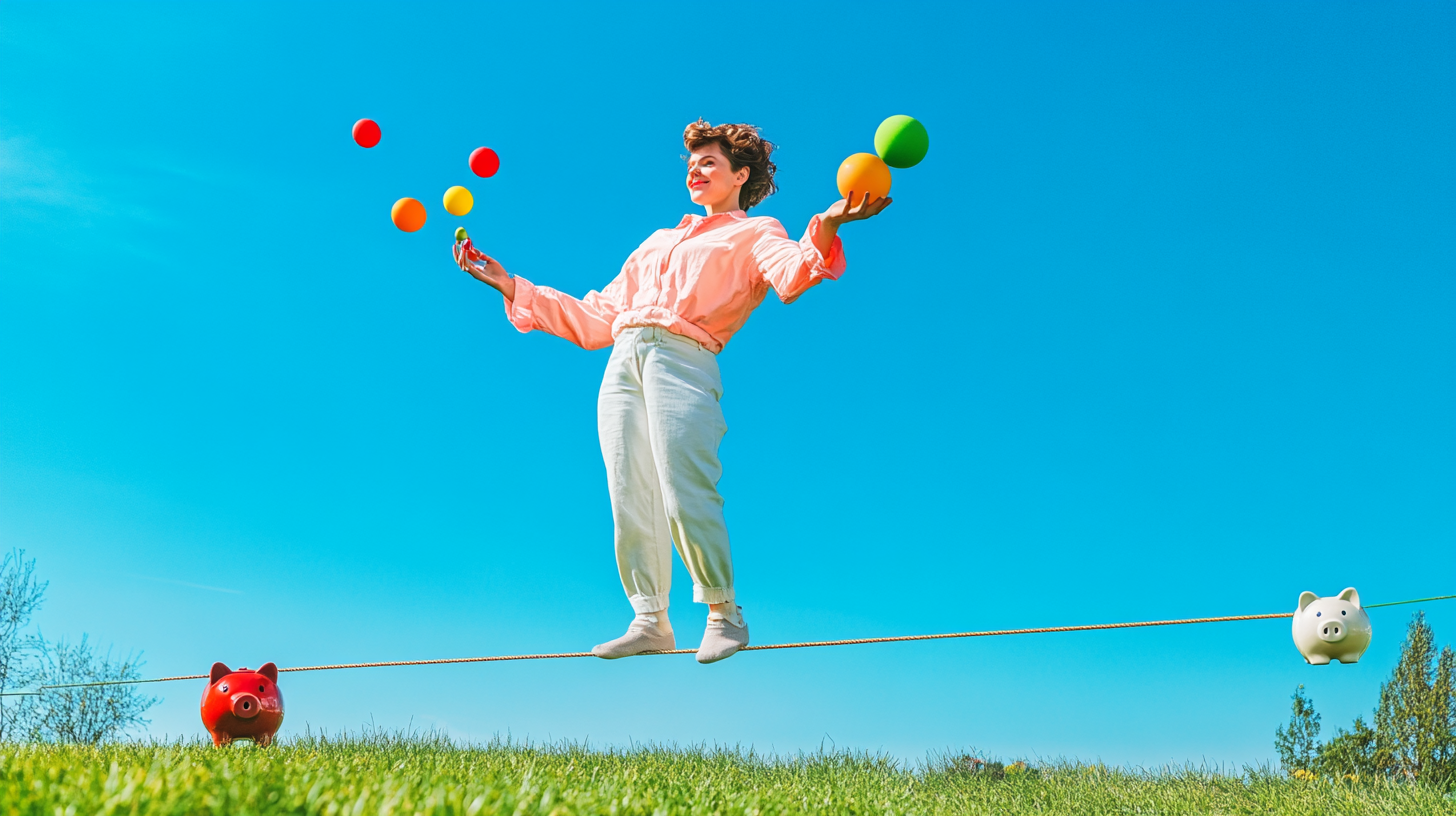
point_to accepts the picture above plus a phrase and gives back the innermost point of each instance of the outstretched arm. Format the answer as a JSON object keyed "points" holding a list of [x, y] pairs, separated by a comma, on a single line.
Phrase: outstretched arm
{"points": [[793, 267], [586, 322]]}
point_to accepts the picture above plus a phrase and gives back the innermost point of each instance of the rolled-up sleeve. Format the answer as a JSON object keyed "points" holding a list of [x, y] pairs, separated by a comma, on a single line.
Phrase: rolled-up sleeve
{"points": [[793, 267], [586, 322]]}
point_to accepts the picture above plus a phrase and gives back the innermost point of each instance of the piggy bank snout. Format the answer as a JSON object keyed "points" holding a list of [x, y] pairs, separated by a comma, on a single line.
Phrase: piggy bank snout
{"points": [[246, 705], [1331, 629]]}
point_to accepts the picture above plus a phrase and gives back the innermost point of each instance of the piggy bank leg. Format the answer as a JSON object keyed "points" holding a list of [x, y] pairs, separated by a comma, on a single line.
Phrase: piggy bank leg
{"points": [[1317, 660], [263, 740], [221, 740], [1353, 657]]}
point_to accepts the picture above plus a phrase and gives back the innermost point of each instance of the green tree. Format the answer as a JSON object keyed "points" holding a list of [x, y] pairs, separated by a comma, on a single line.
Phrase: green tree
{"points": [[1298, 742], [1413, 722]]}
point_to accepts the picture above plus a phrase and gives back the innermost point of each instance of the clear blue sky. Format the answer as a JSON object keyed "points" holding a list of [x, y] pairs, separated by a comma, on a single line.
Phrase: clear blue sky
{"points": [[1164, 326]]}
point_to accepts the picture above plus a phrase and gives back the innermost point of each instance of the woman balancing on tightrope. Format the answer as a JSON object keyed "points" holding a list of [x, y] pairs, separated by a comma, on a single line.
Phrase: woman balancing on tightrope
{"points": [[678, 300]]}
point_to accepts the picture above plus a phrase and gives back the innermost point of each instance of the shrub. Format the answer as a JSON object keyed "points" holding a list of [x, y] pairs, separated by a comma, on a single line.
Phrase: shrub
{"points": [[85, 715], [89, 714]]}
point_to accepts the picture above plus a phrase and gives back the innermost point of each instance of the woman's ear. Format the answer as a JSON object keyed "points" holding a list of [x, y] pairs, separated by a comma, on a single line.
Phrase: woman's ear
{"points": [[741, 177]]}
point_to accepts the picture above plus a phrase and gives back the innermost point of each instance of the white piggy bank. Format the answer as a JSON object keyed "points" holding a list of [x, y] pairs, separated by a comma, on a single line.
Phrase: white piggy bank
{"points": [[1328, 629]]}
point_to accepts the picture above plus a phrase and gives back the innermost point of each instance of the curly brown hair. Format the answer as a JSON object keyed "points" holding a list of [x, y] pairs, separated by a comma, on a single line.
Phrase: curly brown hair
{"points": [[744, 148]]}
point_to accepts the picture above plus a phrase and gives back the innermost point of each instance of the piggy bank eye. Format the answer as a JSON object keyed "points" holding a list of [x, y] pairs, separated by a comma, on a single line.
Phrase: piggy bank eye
{"points": [[223, 689], [1318, 614], [260, 687], [1342, 611]]}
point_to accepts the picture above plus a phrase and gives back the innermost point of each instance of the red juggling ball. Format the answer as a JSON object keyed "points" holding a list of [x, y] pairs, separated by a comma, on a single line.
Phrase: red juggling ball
{"points": [[366, 132], [484, 162]]}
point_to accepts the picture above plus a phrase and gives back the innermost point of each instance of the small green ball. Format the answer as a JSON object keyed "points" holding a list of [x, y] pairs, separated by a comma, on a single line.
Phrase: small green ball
{"points": [[901, 141], [460, 234]]}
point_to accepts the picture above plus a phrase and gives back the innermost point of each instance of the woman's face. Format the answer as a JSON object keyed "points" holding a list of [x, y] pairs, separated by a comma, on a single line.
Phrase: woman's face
{"points": [[711, 180]]}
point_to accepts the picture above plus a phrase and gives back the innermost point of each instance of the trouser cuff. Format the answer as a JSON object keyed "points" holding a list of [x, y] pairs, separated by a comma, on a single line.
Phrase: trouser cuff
{"points": [[712, 595], [643, 604]]}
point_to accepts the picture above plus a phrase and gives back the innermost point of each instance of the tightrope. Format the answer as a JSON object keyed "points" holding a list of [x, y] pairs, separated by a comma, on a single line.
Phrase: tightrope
{"points": [[808, 644]]}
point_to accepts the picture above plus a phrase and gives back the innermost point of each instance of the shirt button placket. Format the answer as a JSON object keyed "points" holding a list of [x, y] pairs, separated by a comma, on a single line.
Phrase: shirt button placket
{"points": [[662, 270]]}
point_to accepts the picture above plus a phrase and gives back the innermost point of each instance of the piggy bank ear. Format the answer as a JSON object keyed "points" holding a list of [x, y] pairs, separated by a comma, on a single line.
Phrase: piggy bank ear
{"points": [[1351, 595], [219, 670], [269, 671], [1306, 598]]}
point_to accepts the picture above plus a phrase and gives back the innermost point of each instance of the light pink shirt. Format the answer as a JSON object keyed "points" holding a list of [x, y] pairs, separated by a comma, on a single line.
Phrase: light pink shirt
{"points": [[700, 279]]}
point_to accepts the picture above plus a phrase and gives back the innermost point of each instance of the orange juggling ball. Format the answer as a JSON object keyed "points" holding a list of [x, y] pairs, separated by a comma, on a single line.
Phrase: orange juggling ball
{"points": [[408, 214], [864, 173]]}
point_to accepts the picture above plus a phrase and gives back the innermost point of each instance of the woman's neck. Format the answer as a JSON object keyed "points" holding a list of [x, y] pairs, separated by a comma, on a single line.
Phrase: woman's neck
{"points": [[725, 206]]}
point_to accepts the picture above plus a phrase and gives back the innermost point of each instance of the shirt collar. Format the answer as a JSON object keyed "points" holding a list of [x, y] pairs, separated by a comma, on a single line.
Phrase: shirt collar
{"points": [[689, 219]]}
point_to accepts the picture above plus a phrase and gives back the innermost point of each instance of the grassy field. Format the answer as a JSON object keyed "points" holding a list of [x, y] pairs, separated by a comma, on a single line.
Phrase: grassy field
{"points": [[433, 776]]}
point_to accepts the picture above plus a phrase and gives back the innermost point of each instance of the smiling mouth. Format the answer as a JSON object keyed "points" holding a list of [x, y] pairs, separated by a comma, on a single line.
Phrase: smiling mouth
{"points": [[698, 183]]}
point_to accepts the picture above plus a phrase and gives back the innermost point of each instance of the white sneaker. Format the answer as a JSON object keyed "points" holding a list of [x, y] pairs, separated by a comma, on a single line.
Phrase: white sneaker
{"points": [[643, 635], [723, 637]]}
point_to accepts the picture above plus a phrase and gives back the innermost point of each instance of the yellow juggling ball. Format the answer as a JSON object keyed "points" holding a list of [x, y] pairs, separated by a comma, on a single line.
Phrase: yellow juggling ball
{"points": [[458, 201]]}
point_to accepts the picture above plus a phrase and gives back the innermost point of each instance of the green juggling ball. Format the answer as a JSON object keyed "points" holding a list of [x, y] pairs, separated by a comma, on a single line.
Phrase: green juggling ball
{"points": [[901, 141], [460, 234]]}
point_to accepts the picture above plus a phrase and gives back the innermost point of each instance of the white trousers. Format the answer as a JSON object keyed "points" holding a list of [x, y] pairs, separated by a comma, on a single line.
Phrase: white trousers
{"points": [[660, 424]]}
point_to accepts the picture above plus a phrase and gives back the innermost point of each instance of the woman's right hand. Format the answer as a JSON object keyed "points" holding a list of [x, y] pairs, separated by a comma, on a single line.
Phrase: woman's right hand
{"points": [[484, 268]]}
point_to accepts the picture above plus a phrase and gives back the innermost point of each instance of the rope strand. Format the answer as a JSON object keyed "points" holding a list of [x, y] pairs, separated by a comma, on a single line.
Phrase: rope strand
{"points": [[808, 644]]}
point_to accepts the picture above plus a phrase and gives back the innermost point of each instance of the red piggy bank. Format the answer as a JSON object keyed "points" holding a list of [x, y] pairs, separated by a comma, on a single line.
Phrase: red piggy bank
{"points": [[242, 704]]}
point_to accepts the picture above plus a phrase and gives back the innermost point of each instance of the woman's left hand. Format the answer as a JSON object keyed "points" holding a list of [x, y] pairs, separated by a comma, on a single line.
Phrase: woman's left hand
{"points": [[845, 210]]}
